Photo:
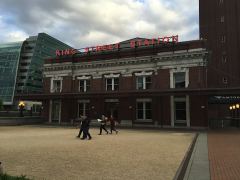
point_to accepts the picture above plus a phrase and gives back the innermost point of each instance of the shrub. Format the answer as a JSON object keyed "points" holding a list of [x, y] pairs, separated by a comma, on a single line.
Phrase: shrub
{"points": [[8, 177]]}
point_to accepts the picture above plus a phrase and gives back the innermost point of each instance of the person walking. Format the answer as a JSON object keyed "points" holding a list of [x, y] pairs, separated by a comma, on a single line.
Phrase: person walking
{"points": [[81, 126], [103, 125], [112, 124], [86, 126]]}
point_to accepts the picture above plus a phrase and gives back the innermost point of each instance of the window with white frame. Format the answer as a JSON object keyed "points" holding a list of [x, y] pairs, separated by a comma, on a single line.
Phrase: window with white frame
{"points": [[84, 85], [112, 84], [83, 108], [179, 80], [223, 39], [144, 82], [56, 85], [222, 19], [180, 110], [144, 109]]}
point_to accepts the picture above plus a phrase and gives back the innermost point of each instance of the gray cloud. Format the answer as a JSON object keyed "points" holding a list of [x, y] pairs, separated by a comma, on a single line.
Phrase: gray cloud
{"points": [[88, 22]]}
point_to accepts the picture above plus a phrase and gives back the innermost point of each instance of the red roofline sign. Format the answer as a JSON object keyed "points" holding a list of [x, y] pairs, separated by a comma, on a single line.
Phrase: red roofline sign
{"points": [[133, 44]]}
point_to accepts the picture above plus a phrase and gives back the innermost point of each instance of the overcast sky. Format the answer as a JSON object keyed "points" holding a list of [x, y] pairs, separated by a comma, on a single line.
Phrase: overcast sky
{"points": [[82, 23]]}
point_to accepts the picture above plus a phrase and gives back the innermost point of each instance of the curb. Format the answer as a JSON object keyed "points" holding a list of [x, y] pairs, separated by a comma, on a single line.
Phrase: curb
{"points": [[184, 164]]}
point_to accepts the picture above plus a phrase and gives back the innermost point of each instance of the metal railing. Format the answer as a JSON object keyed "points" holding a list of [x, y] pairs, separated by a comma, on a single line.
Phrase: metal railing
{"points": [[227, 122]]}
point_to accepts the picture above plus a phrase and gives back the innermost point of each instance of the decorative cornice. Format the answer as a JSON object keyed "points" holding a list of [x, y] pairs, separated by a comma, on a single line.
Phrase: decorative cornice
{"points": [[127, 66]]}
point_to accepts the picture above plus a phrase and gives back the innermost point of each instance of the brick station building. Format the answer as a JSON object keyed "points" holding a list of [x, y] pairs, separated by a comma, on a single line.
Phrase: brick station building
{"points": [[166, 85], [155, 85]]}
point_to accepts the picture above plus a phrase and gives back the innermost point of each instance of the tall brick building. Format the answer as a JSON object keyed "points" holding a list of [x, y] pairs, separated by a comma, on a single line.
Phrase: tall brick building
{"points": [[220, 26]]}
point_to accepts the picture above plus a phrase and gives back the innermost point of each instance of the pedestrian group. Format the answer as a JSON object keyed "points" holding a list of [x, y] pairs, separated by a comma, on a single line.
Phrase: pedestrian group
{"points": [[85, 123]]}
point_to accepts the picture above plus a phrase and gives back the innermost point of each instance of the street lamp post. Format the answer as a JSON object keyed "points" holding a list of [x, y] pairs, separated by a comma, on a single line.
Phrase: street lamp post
{"points": [[234, 115], [237, 120]]}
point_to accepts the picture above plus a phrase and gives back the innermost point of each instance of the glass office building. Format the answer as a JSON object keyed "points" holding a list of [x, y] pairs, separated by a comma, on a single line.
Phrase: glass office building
{"points": [[21, 65], [9, 60]]}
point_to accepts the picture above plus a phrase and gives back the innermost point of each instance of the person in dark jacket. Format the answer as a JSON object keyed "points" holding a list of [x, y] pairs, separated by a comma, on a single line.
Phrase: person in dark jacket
{"points": [[103, 125], [82, 118], [86, 125], [112, 124]]}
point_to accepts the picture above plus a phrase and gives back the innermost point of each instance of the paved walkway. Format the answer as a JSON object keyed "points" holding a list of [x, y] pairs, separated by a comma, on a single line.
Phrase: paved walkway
{"points": [[224, 154], [198, 167], [216, 156]]}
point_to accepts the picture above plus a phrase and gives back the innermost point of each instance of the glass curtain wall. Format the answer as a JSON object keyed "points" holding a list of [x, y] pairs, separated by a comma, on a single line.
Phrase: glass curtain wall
{"points": [[9, 60]]}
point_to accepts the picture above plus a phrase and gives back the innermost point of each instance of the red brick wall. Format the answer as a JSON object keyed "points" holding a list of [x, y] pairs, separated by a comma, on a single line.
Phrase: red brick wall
{"points": [[46, 84], [75, 85], [165, 113], [96, 107], [197, 77], [67, 84], [124, 112], [198, 111], [96, 85], [67, 110], [126, 83], [45, 110], [162, 79]]}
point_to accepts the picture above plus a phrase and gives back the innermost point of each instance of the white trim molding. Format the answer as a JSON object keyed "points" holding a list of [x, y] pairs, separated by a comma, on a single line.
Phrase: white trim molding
{"points": [[84, 77], [177, 70], [52, 89], [108, 76], [143, 73], [172, 104]]}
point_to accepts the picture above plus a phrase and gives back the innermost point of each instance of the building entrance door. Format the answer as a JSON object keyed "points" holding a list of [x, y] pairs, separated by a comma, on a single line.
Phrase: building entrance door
{"points": [[180, 111], [111, 108], [224, 111], [56, 110]]}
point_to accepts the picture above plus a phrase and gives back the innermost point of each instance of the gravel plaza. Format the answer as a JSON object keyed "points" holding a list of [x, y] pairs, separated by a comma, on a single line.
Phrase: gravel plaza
{"points": [[42, 152]]}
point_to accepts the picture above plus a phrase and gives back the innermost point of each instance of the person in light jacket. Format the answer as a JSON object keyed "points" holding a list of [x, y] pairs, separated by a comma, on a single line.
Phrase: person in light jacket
{"points": [[103, 125]]}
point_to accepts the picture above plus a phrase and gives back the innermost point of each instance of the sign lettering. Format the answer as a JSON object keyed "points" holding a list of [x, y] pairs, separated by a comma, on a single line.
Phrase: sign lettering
{"points": [[109, 47]]}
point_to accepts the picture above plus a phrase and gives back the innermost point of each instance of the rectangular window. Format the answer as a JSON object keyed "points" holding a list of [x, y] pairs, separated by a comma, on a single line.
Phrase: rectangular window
{"points": [[140, 110], [144, 110], [109, 84], [112, 84], [224, 59], [116, 84], [223, 39], [180, 111], [140, 82], [56, 110], [148, 82], [179, 80], [56, 86], [84, 85], [144, 82], [83, 109], [222, 19]]}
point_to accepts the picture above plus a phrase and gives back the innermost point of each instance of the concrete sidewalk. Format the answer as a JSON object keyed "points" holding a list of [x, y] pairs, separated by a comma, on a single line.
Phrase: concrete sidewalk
{"points": [[198, 166], [215, 156]]}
